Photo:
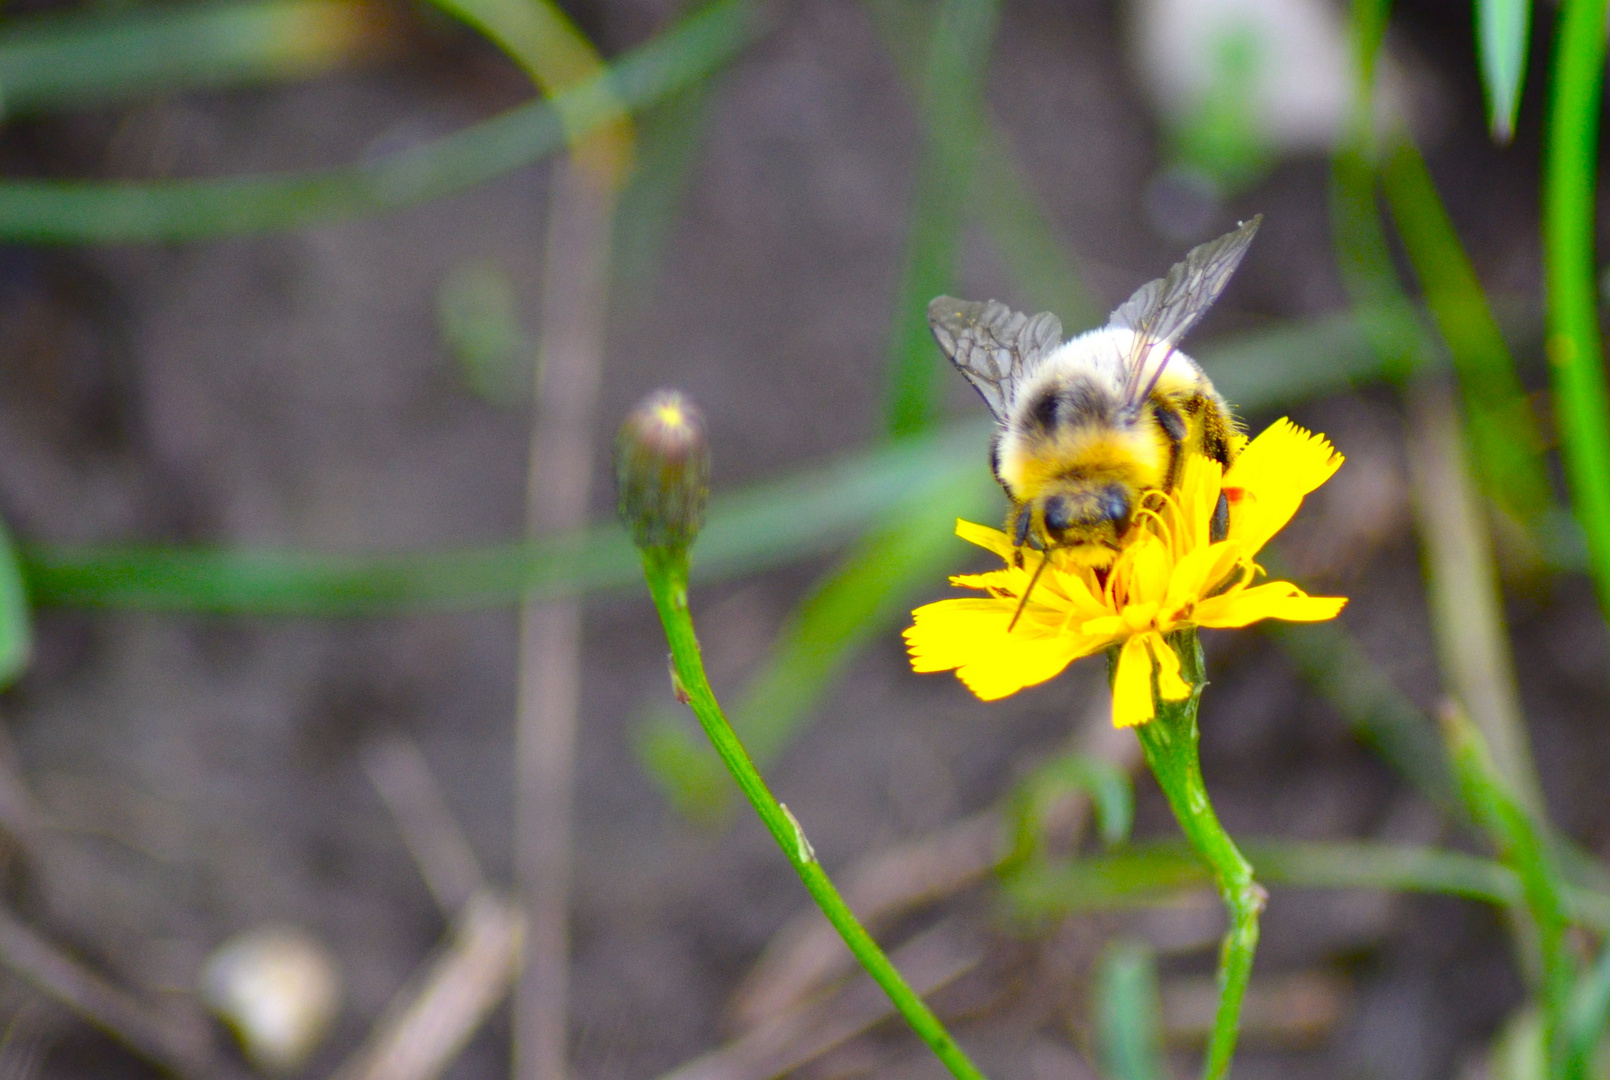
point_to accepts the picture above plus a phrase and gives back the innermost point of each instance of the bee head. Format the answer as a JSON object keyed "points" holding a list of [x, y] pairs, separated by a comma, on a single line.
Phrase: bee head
{"points": [[1096, 514]]}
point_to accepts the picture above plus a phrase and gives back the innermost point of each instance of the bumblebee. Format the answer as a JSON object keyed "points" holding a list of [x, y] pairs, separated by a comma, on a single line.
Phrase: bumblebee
{"points": [[1088, 426]]}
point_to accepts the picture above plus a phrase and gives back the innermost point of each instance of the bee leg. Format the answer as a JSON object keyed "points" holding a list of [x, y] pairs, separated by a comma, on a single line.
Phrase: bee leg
{"points": [[1173, 425], [1023, 602], [1219, 527], [1020, 531]]}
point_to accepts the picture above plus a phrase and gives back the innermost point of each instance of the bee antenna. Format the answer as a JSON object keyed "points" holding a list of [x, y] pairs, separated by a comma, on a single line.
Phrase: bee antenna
{"points": [[1045, 558]]}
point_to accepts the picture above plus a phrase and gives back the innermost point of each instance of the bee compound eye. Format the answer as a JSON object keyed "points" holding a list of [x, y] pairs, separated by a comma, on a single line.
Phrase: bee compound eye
{"points": [[1114, 503], [1058, 515]]}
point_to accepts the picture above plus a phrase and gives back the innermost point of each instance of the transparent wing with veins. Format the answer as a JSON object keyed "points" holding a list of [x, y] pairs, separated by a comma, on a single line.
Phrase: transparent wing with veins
{"points": [[1161, 312], [994, 347]]}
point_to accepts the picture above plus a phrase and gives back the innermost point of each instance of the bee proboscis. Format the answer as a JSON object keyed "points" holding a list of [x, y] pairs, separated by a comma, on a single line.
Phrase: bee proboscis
{"points": [[1086, 427]]}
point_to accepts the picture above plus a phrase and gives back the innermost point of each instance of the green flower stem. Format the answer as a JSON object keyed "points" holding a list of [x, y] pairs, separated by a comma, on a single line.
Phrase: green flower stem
{"points": [[667, 572], [1170, 744], [1576, 364]]}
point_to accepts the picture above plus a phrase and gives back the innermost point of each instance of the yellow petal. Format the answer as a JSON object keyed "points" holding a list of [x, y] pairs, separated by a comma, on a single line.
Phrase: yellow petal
{"points": [[1169, 683], [992, 676], [1143, 570], [1274, 600], [1199, 573], [1132, 685], [1266, 484], [1106, 626], [1008, 579], [1200, 481], [970, 637], [1076, 589], [947, 634], [987, 538]]}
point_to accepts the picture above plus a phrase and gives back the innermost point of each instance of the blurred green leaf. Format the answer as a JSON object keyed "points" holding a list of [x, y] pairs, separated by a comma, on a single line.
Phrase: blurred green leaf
{"points": [[1377, 711], [1222, 140], [1024, 237], [1524, 844], [1108, 786], [1282, 364], [1575, 336], [1590, 1012], [1390, 322], [952, 95], [1504, 431], [669, 140], [1502, 28], [1589, 1015], [478, 316], [546, 42], [1151, 873], [1519, 1051], [16, 631], [1018, 224], [91, 212], [678, 759], [771, 524], [1129, 1013], [60, 61]]}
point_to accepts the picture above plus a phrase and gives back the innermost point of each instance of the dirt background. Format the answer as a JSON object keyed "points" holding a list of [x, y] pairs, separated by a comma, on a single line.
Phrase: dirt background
{"points": [[294, 390]]}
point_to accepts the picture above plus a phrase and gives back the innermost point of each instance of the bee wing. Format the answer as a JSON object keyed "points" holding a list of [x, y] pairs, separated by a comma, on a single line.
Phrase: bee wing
{"points": [[1162, 311], [994, 347]]}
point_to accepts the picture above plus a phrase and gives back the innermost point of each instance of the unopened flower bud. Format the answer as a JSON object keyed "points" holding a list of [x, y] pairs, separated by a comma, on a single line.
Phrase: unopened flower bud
{"points": [[662, 467]]}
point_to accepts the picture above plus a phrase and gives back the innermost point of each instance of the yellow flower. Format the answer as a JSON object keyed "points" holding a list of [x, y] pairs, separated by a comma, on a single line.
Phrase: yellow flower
{"points": [[1169, 576]]}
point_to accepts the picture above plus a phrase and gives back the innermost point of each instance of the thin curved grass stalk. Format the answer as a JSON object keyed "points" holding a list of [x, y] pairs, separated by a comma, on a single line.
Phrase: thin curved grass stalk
{"points": [[107, 212]]}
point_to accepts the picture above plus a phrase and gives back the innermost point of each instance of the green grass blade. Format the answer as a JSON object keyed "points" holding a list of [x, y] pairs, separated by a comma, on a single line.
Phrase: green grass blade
{"points": [[1504, 431], [1111, 793], [770, 524], [669, 140], [1129, 1013], [93, 212], [1576, 359], [542, 39], [1527, 849], [1502, 29], [1590, 1012], [1285, 363], [62, 61], [1025, 238], [952, 95], [16, 630], [1377, 711], [1362, 255], [1152, 872]]}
